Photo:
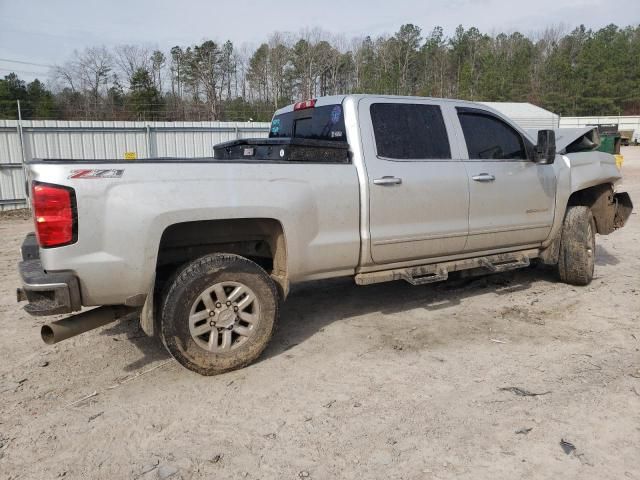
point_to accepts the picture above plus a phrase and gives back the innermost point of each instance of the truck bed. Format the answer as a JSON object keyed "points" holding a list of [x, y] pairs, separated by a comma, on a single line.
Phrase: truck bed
{"points": [[125, 207]]}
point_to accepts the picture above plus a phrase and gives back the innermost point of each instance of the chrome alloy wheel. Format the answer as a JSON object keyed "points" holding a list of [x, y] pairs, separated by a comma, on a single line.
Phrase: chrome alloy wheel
{"points": [[224, 316]]}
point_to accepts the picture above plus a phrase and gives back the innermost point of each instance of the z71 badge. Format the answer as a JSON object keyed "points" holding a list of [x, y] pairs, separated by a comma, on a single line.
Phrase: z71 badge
{"points": [[93, 173]]}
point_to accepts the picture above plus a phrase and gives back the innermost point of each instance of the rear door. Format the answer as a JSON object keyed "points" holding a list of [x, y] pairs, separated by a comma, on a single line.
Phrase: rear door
{"points": [[418, 192], [512, 199]]}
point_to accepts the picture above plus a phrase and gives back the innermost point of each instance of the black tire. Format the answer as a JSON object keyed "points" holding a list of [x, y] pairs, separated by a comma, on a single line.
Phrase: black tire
{"points": [[577, 246], [188, 286]]}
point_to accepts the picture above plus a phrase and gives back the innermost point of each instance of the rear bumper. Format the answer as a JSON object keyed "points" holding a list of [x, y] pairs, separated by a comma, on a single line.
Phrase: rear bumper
{"points": [[48, 293]]}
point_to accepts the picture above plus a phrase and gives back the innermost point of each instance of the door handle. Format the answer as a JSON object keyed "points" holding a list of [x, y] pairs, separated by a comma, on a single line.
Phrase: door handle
{"points": [[483, 177], [387, 180]]}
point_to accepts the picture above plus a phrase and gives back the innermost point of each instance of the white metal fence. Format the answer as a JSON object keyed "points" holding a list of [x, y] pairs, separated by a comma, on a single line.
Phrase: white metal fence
{"points": [[83, 140]]}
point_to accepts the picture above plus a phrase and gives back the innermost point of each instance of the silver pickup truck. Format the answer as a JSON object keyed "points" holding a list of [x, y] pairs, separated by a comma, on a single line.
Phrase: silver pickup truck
{"points": [[378, 188]]}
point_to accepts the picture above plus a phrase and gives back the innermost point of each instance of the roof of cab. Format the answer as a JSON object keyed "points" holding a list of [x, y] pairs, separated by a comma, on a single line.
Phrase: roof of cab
{"points": [[320, 102], [338, 99]]}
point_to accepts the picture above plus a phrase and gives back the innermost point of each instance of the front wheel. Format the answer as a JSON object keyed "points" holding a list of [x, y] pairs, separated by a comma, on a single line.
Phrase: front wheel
{"points": [[577, 246], [219, 313]]}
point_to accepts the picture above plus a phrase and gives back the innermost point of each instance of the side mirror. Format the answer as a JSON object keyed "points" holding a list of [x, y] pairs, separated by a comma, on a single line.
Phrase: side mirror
{"points": [[546, 147]]}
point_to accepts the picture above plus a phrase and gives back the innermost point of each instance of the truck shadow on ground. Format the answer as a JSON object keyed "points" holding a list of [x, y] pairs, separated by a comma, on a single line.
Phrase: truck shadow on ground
{"points": [[128, 329], [311, 307], [604, 257]]}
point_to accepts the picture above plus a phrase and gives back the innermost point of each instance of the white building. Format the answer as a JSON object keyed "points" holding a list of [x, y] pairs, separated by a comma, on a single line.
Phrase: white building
{"points": [[623, 122], [526, 115]]}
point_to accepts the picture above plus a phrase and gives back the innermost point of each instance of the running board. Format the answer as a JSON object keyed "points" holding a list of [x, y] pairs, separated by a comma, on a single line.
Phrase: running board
{"points": [[505, 266], [417, 276], [424, 274]]}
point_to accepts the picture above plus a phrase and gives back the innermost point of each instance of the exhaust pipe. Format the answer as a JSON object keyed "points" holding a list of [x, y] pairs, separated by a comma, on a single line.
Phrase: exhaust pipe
{"points": [[82, 322]]}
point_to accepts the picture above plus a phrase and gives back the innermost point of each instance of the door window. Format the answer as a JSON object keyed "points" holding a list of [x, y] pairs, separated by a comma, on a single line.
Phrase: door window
{"points": [[489, 138], [405, 131]]}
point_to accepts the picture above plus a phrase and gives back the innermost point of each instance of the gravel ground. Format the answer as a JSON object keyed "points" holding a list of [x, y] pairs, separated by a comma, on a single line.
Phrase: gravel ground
{"points": [[386, 381]]}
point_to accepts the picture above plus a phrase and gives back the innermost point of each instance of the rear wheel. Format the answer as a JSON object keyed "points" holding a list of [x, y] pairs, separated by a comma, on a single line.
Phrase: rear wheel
{"points": [[219, 313], [577, 246]]}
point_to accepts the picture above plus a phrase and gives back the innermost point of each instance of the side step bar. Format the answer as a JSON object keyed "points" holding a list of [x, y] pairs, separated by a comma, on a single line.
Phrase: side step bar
{"points": [[423, 274], [416, 277], [507, 265]]}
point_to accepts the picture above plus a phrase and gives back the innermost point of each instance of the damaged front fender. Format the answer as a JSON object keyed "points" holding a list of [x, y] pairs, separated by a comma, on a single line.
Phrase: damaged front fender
{"points": [[592, 168]]}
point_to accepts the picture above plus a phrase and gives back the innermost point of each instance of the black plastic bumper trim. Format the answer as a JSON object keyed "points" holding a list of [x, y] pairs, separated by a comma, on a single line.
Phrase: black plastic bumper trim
{"points": [[29, 248], [48, 293]]}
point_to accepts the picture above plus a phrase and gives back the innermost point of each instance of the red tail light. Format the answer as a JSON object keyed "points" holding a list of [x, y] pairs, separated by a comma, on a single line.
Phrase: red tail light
{"points": [[54, 212], [305, 104]]}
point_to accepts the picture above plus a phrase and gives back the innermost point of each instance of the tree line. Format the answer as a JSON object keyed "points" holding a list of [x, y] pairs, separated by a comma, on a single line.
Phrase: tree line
{"points": [[581, 72]]}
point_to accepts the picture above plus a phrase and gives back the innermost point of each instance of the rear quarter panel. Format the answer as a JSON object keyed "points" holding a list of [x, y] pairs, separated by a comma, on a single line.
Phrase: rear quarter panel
{"points": [[121, 220]]}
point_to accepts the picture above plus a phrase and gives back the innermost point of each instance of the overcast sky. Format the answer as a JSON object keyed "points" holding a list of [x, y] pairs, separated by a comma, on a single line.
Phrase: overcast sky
{"points": [[46, 32]]}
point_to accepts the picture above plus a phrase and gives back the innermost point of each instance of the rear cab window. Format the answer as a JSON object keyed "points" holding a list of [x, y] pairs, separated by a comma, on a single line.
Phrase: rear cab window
{"points": [[406, 131], [315, 123]]}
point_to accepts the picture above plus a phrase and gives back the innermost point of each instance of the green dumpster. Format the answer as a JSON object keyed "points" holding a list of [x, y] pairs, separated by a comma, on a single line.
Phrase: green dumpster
{"points": [[610, 138], [610, 144]]}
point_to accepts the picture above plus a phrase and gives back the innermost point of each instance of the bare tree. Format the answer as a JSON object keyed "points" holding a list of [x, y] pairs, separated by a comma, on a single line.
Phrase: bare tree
{"points": [[88, 72], [279, 66], [131, 58], [204, 64], [242, 56], [65, 76]]}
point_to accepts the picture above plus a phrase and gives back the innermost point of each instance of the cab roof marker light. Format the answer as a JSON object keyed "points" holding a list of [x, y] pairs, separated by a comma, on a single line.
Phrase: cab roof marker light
{"points": [[304, 105]]}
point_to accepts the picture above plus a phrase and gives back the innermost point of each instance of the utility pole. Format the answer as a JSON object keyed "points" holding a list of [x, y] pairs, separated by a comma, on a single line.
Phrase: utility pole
{"points": [[20, 133], [22, 153]]}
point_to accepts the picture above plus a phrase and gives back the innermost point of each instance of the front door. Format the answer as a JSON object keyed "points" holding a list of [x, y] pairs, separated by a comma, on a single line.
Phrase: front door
{"points": [[512, 198], [418, 191]]}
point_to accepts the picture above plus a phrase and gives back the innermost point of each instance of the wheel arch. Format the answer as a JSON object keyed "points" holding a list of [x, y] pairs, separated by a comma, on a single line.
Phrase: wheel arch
{"points": [[600, 199], [261, 240]]}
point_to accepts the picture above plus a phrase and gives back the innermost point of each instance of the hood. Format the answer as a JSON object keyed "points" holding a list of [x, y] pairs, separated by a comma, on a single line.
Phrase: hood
{"points": [[574, 140]]}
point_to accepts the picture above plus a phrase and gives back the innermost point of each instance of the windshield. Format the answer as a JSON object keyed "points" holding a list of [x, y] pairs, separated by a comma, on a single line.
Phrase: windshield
{"points": [[319, 123]]}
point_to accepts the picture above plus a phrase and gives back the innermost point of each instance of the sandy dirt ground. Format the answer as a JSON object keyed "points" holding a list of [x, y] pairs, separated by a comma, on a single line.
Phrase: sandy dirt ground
{"points": [[387, 381]]}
